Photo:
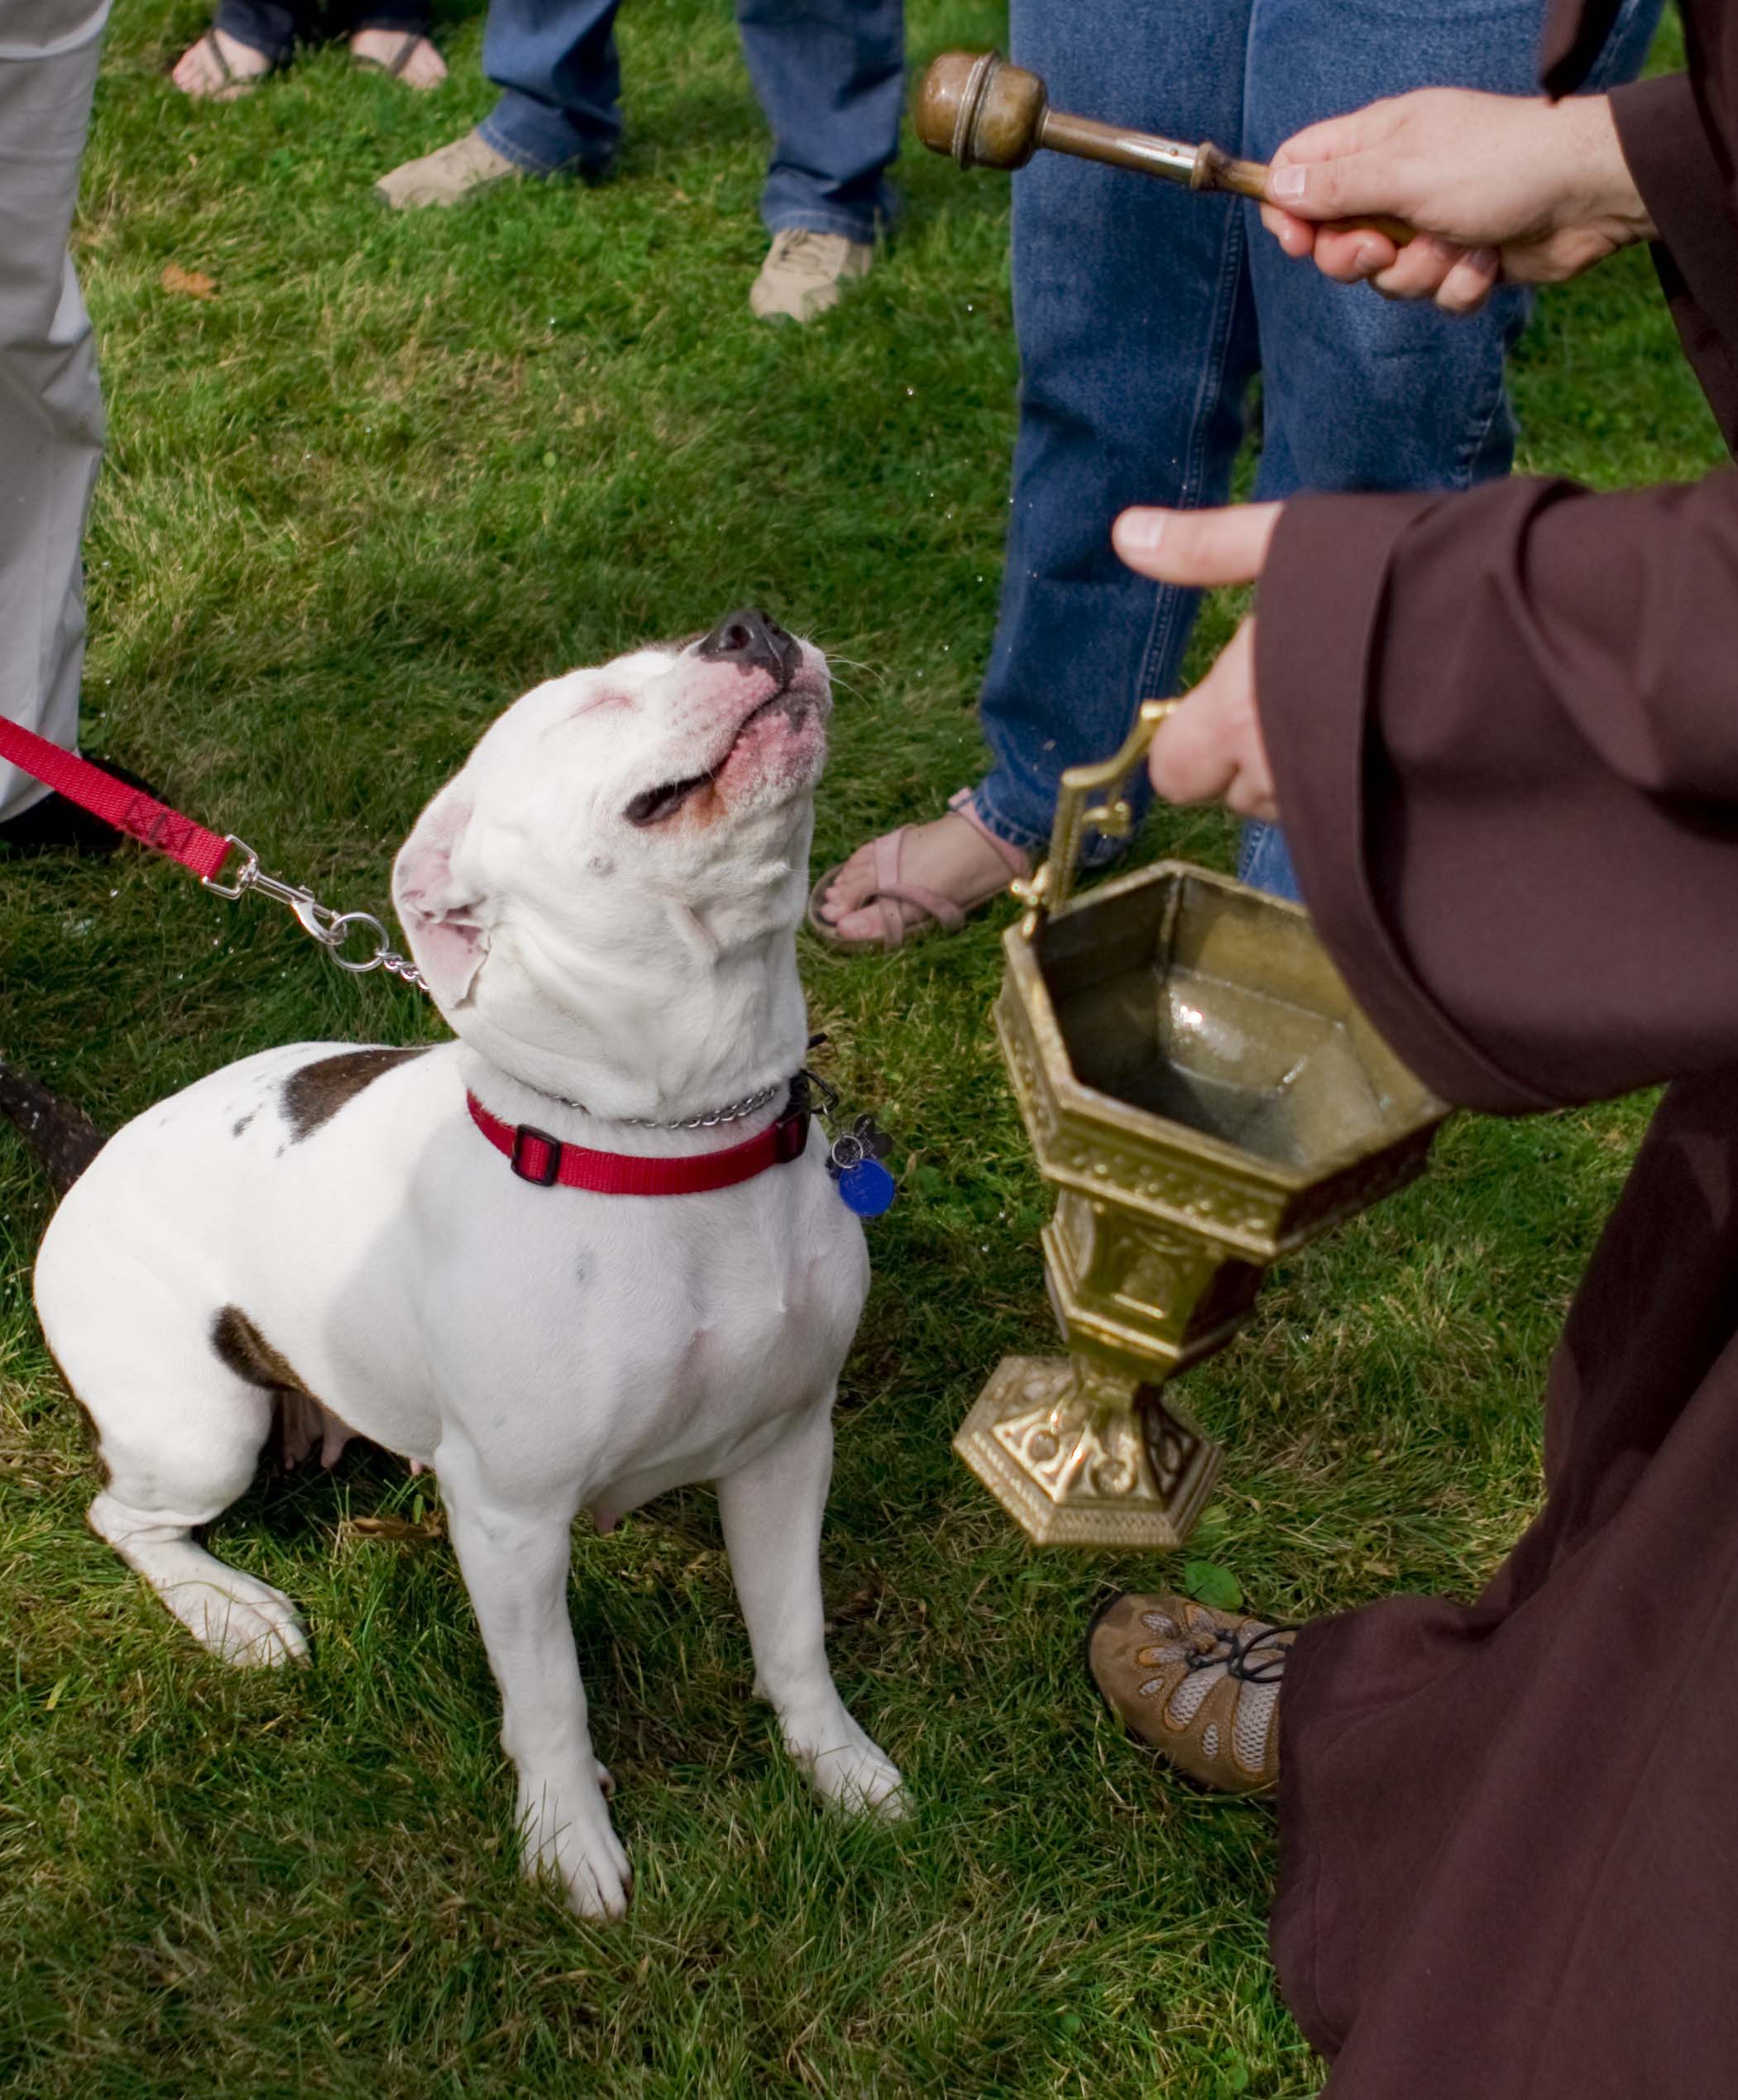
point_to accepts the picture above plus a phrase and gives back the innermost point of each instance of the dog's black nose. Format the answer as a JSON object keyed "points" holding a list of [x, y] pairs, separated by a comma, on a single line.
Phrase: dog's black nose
{"points": [[752, 640]]}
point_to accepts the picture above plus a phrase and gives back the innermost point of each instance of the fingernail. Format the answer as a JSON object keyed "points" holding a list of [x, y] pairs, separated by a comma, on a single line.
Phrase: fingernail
{"points": [[1141, 531], [1367, 256], [1484, 260], [1288, 183]]}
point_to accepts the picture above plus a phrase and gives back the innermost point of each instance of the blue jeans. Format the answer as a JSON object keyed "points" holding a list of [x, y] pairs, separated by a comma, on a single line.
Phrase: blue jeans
{"points": [[1144, 312], [830, 75]]}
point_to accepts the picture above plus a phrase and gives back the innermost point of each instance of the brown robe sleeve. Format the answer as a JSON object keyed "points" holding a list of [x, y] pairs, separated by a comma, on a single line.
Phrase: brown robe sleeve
{"points": [[1503, 727], [1681, 167]]}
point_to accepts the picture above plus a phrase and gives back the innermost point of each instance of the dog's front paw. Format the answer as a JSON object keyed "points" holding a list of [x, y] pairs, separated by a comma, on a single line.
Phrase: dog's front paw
{"points": [[565, 1832], [846, 1769]]}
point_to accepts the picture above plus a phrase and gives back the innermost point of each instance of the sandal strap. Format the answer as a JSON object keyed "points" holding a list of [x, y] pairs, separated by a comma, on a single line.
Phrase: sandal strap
{"points": [[890, 892], [209, 40], [394, 66], [943, 909], [1014, 858]]}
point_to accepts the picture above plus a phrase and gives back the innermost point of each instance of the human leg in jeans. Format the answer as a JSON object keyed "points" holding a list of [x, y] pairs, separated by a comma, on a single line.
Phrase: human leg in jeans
{"points": [[1361, 392], [1136, 344], [554, 62], [50, 403], [558, 111], [830, 79]]}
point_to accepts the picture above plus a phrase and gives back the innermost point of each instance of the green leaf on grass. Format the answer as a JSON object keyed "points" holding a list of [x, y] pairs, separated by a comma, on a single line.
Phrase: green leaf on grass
{"points": [[1210, 1584]]}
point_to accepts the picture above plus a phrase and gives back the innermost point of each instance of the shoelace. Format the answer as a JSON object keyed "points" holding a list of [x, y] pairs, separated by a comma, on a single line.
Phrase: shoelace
{"points": [[1238, 1654], [803, 248]]}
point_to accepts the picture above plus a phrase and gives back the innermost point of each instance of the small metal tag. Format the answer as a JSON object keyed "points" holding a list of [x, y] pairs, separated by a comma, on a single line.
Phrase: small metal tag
{"points": [[854, 1162]]}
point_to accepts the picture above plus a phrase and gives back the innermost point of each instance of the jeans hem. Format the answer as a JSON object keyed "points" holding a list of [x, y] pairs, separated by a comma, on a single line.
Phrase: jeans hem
{"points": [[793, 218], [1035, 845], [530, 164]]}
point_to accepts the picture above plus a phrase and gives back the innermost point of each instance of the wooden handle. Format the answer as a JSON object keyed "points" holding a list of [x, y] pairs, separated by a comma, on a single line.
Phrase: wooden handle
{"points": [[986, 113], [1216, 170]]}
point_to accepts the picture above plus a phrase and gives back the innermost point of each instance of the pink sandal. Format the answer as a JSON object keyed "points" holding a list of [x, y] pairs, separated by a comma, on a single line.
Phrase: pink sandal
{"points": [[940, 913]]}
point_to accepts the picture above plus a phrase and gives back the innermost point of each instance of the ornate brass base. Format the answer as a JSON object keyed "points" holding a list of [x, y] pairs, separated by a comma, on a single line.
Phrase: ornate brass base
{"points": [[1080, 1455]]}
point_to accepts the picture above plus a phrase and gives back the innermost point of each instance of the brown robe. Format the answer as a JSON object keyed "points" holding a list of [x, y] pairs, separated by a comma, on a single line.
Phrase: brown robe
{"points": [[1503, 727]]}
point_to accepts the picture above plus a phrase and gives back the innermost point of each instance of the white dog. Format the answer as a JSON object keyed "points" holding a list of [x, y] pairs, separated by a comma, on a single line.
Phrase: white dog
{"points": [[604, 903]]}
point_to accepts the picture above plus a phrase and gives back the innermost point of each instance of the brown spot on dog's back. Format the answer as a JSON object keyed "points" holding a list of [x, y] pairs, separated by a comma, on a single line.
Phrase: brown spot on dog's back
{"points": [[244, 1350], [315, 1094]]}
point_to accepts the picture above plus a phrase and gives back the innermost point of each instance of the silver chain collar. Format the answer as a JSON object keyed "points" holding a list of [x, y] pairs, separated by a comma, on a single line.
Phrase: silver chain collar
{"points": [[732, 1112]]}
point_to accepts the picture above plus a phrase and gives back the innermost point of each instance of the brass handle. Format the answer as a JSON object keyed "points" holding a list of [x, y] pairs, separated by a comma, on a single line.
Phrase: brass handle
{"points": [[984, 112], [1051, 885]]}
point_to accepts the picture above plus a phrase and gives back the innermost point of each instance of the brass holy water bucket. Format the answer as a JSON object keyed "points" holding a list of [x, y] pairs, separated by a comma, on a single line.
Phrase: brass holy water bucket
{"points": [[1205, 1097]]}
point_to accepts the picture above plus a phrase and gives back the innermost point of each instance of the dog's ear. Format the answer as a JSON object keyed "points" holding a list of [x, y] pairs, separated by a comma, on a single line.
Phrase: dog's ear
{"points": [[438, 913]]}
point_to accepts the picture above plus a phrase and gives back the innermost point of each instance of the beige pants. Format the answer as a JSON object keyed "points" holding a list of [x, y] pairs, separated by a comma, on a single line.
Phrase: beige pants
{"points": [[50, 403]]}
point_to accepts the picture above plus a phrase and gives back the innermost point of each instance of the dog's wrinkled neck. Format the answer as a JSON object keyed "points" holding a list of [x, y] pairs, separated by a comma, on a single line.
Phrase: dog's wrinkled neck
{"points": [[706, 1013]]}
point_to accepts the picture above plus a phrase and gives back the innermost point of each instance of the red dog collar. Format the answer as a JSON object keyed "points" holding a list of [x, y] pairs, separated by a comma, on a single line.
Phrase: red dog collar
{"points": [[544, 1160]]}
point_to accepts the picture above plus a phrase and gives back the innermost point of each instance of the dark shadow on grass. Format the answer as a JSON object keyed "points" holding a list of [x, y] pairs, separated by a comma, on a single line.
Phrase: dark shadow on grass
{"points": [[699, 117]]}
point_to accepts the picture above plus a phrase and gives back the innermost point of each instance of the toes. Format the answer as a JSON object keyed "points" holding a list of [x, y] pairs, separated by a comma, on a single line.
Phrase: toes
{"points": [[253, 1632], [859, 925], [600, 1891], [593, 1871], [876, 1789], [848, 1770], [850, 886], [565, 1833], [892, 1804]]}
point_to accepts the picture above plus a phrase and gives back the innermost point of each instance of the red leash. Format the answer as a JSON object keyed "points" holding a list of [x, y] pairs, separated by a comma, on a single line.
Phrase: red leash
{"points": [[128, 809], [154, 824]]}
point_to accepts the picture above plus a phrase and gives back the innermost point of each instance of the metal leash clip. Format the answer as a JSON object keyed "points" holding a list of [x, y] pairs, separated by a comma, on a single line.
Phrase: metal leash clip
{"points": [[332, 929]]}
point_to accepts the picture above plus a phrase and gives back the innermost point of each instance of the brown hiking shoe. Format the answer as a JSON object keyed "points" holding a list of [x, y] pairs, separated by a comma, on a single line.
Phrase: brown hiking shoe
{"points": [[1201, 1686], [803, 274], [446, 177]]}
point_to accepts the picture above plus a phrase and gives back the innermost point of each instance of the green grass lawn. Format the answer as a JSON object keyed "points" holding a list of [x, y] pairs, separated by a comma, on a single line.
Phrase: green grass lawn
{"points": [[395, 472]]}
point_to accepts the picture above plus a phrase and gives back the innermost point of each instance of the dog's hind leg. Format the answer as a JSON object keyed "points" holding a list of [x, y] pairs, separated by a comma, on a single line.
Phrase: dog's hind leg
{"points": [[772, 1510], [235, 1615], [179, 1432]]}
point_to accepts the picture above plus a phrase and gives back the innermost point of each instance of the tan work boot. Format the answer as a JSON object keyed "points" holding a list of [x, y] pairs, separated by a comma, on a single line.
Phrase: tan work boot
{"points": [[447, 176], [1201, 1686], [801, 276]]}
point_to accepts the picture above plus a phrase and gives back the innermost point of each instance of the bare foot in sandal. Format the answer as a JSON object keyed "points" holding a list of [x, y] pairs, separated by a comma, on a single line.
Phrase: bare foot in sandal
{"points": [[219, 67], [402, 53], [921, 876]]}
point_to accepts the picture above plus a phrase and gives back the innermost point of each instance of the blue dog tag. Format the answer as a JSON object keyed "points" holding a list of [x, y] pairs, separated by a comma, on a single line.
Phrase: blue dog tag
{"points": [[868, 1189]]}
